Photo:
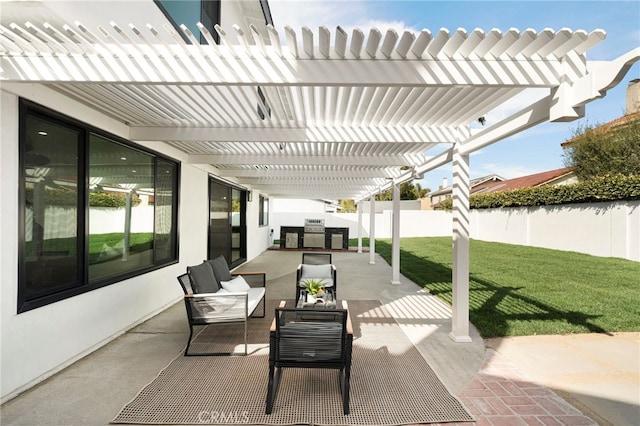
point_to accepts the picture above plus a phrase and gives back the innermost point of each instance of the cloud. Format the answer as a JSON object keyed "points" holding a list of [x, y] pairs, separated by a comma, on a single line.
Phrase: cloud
{"points": [[515, 104], [383, 26], [312, 14], [507, 171], [347, 14]]}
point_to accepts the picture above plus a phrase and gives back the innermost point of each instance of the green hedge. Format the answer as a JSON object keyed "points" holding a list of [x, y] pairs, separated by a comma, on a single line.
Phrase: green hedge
{"points": [[602, 188]]}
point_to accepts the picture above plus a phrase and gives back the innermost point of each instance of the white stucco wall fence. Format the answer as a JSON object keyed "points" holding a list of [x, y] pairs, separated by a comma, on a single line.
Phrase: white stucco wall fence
{"points": [[599, 229]]}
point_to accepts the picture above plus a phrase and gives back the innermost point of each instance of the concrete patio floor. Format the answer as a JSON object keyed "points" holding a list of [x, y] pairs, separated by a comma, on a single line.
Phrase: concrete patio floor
{"points": [[504, 383]]}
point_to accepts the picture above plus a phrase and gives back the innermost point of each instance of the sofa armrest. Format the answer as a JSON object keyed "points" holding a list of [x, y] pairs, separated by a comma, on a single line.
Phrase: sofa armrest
{"points": [[283, 303], [345, 306], [208, 308]]}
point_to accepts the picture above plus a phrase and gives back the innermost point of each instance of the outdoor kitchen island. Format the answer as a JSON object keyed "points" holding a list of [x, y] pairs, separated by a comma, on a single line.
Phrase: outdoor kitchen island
{"points": [[314, 235]]}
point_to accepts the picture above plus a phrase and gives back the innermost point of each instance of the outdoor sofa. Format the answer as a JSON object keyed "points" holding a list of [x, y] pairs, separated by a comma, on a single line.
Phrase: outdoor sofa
{"points": [[213, 295]]}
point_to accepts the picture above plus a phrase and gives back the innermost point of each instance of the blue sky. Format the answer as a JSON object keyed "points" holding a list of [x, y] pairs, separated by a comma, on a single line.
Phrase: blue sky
{"points": [[532, 151]]}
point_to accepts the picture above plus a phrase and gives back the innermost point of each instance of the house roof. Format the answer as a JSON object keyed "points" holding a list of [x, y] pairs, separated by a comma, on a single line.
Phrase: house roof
{"points": [[309, 113], [472, 184], [529, 181], [607, 127]]}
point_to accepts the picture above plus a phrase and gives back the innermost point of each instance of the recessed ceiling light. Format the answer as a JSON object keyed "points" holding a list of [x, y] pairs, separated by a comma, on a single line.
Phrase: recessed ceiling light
{"points": [[41, 133], [123, 158]]}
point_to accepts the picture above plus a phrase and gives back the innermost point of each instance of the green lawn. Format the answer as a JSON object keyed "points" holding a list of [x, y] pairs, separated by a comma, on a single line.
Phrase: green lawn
{"points": [[518, 290]]}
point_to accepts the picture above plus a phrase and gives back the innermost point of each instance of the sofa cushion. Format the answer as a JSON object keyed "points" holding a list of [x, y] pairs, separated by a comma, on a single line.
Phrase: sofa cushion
{"points": [[254, 297], [237, 284], [202, 278], [220, 268]]}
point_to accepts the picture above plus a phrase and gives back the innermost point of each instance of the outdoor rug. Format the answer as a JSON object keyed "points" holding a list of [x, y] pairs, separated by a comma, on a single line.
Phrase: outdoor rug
{"points": [[391, 383]]}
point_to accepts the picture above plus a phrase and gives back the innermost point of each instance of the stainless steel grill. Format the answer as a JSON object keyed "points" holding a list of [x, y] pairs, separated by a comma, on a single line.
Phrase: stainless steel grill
{"points": [[314, 226], [314, 233]]}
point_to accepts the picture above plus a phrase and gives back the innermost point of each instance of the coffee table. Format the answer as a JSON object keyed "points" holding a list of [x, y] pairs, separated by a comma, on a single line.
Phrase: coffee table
{"points": [[327, 301]]}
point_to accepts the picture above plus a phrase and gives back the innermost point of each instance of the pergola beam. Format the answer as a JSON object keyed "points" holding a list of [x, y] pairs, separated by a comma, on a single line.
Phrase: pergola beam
{"points": [[309, 160], [435, 134], [327, 172], [279, 71], [569, 99], [530, 116]]}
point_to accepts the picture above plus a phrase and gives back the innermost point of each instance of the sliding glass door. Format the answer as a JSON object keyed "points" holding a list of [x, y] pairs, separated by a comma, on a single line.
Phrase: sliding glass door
{"points": [[227, 222]]}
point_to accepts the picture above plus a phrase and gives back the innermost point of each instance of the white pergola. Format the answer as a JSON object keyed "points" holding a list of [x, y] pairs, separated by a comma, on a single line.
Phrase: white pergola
{"points": [[326, 114]]}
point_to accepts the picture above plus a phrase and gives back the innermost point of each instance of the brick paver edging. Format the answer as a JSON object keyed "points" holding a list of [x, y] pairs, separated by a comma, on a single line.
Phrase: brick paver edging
{"points": [[500, 394]]}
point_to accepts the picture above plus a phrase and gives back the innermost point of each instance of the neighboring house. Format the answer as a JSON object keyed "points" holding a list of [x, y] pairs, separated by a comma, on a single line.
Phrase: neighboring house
{"points": [[561, 176], [445, 191], [425, 203], [495, 183]]}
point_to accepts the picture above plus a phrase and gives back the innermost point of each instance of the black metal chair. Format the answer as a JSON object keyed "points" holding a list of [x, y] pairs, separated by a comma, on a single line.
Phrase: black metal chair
{"points": [[311, 258], [310, 338], [318, 267]]}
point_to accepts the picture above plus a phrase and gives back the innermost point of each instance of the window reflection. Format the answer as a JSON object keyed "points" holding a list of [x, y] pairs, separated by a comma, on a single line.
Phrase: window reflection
{"points": [[165, 205], [51, 206], [236, 228], [121, 208]]}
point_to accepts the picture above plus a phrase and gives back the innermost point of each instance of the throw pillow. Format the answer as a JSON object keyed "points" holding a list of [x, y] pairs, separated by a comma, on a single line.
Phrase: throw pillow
{"points": [[236, 285], [220, 268], [202, 278]]}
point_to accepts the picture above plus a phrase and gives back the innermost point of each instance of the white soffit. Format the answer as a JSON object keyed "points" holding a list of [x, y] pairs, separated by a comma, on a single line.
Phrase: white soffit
{"points": [[324, 115]]}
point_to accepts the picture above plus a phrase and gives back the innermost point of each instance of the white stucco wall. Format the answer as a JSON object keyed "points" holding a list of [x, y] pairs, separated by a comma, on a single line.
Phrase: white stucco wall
{"points": [[32, 345], [257, 236], [291, 205]]}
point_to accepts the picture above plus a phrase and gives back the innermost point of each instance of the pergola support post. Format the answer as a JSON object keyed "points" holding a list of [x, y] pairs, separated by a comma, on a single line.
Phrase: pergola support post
{"points": [[460, 278], [359, 226], [372, 230], [395, 236]]}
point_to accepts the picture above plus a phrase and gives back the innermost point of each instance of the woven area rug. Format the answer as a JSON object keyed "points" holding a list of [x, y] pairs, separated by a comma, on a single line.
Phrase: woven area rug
{"points": [[391, 383]]}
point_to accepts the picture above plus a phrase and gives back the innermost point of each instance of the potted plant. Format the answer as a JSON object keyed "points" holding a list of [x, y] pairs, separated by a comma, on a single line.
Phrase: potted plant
{"points": [[314, 289]]}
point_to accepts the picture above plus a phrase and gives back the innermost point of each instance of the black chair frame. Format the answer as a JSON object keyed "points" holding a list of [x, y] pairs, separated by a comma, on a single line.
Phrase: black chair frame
{"points": [[190, 299], [304, 340], [317, 258]]}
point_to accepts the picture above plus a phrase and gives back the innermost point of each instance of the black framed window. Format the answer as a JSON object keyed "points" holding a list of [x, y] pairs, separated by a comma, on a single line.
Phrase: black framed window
{"points": [[189, 13], [94, 209], [263, 214], [51, 206], [227, 222]]}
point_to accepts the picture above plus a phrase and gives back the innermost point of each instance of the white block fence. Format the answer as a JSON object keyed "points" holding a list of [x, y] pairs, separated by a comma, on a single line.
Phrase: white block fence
{"points": [[609, 229]]}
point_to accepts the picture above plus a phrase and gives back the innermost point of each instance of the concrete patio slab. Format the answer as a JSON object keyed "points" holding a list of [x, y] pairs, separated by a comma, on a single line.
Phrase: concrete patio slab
{"points": [[514, 381], [598, 373]]}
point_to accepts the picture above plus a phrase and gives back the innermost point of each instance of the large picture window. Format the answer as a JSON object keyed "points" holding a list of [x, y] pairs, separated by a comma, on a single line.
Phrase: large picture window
{"points": [[95, 209]]}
